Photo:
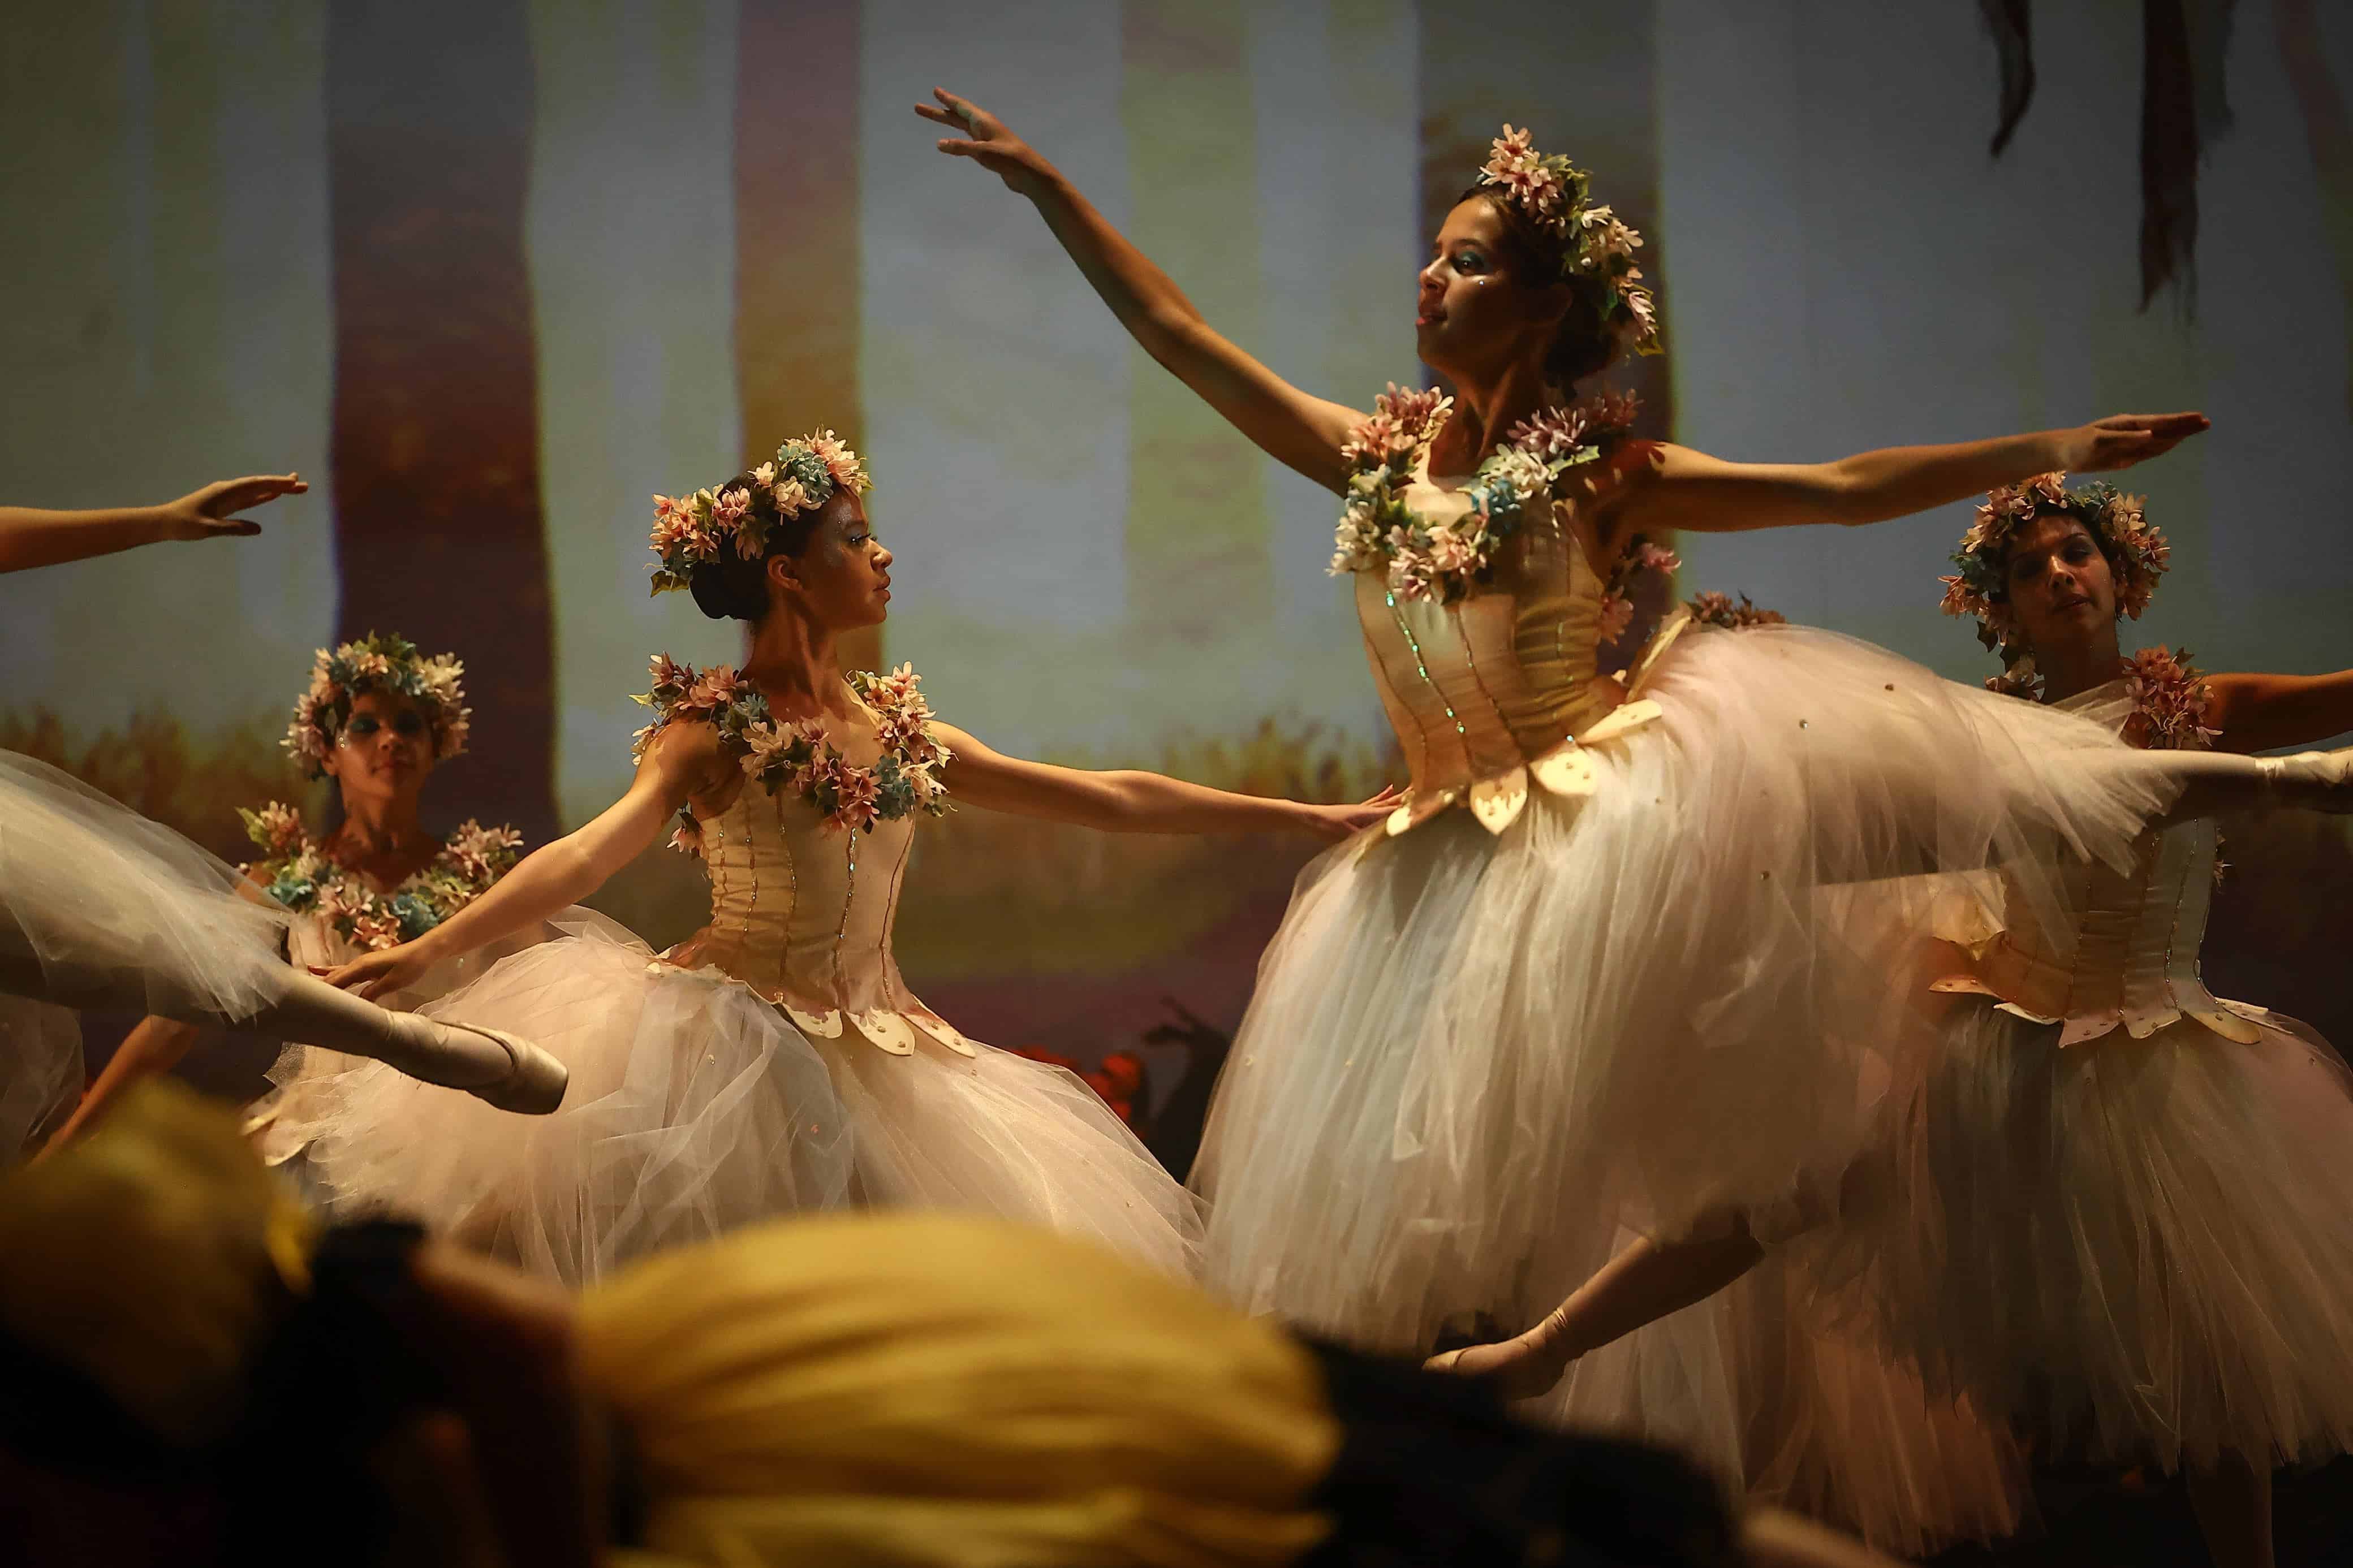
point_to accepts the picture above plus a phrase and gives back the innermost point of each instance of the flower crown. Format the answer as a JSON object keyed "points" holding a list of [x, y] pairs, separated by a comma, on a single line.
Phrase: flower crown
{"points": [[377, 663], [1557, 196], [801, 477], [2114, 519]]}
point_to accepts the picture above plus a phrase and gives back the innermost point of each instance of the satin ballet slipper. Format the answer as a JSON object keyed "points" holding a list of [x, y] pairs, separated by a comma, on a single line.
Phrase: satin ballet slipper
{"points": [[533, 1083], [1520, 1367]]}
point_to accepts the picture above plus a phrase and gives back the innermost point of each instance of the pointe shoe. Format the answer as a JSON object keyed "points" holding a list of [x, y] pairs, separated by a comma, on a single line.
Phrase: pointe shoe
{"points": [[2314, 780], [534, 1082], [1518, 1368]]}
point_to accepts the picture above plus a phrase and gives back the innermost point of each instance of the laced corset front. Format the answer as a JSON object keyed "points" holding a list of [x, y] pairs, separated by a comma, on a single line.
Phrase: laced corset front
{"points": [[2128, 957], [1502, 686], [801, 911]]}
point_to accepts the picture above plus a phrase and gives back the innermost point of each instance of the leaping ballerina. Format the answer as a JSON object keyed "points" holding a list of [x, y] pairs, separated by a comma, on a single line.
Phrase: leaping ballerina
{"points": [[1595, 972]]}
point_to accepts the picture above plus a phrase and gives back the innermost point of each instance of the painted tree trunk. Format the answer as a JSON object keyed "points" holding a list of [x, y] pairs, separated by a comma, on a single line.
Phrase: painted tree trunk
{"points": [[438, 528], [799, 260]]}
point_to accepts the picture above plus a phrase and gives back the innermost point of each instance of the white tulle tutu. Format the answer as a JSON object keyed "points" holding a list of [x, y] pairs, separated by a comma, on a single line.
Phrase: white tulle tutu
{"points": [[308, 1083], [106, 908], [1759, 1383], [2139, 1250], [101, 906], [1470, 1058], [696, 1107], [41, 1071]]}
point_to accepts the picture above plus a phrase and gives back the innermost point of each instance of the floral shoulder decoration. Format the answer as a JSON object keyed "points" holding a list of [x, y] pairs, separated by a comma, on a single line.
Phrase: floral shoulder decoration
{"points": [[2117, 521], [1714, 609], [1556, 194], [377, 662], [2171, 701], [802, 477], [1639, 559], [796, 755], [2170, 697], [1445, 559], [296, 874]]}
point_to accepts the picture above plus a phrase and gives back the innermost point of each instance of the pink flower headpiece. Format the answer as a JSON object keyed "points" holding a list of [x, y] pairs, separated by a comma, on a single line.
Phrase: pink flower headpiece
{"points": [[2116, 521], [802, 477], [1556, 196], [377, 663]]}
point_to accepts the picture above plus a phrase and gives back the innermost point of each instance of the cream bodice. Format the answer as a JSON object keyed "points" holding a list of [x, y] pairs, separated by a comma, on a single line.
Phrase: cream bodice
{"points": [[2129, 957], [801, 911], [1502, 688]]}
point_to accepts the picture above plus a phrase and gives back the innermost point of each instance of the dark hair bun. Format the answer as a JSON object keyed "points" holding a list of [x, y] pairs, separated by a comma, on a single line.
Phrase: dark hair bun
{"points": [[1580, 347], [730, 587]]}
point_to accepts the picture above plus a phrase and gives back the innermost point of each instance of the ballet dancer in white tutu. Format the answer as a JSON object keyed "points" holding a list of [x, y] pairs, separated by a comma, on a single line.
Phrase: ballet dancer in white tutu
{"points": [[775, 1061]]}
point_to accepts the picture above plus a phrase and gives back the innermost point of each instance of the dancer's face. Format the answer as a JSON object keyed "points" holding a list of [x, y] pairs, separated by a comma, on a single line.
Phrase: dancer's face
{"points": [[2062, 592], [1472, 318], [386, 750], [841, 581]]}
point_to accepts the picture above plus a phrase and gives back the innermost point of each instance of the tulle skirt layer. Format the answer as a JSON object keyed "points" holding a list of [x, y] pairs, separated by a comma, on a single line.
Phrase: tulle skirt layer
{"points": [[308, 1083], [1473, 1057], [1760, 1385], [696, 1107], [2140, 1250], [99, 906], [41, 1071]]}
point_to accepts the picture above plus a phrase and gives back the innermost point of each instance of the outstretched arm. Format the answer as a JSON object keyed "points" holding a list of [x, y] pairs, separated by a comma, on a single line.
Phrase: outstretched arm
{"points": [[2265, 712], [684, 761], [1132, 801], [1689, 489], [1300, 431], [30, 537]]}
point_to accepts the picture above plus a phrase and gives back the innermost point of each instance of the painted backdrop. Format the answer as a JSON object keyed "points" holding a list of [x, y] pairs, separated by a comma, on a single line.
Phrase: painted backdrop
{"points": [[491, 273]]}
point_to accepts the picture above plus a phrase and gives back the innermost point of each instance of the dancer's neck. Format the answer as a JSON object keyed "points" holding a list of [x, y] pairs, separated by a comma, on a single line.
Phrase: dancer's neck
{"points": [[1486, 411], [796, 665], [2072, 671], [382, 838]]}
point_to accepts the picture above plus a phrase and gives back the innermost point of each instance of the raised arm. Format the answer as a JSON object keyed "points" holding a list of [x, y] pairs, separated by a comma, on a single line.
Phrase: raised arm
{"points": [[684, 761], [30, 537], [1300, 431], [1683, 489], [2265, 712], [1132, 801]]}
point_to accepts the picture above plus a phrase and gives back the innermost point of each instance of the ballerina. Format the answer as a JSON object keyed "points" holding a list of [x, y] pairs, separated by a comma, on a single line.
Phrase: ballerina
{"points": [[100, 908], [378, 719], [2120, 1209], [775, 1061], [1592, 975], [2033, 1182]]}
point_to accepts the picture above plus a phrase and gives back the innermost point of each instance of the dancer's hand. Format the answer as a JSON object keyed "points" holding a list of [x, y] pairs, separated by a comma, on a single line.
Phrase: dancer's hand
{"points": [[988, 142], [385, 970], [2123, 439], [211, 512], [1337, 821]]}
